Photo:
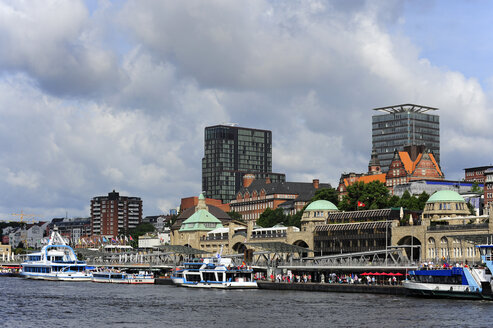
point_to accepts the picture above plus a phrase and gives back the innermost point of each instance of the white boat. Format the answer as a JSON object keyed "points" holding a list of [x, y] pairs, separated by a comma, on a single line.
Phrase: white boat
{"points": [[454, 282], [117, 277], [55, 261], [214, 273]]}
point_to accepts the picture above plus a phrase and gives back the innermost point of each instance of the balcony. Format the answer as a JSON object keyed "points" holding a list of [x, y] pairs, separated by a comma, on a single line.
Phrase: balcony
{"points": [[457, 227]]}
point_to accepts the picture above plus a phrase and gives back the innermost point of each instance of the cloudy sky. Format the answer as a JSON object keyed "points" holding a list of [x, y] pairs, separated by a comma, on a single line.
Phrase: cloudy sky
{"points": [[103, 95]]}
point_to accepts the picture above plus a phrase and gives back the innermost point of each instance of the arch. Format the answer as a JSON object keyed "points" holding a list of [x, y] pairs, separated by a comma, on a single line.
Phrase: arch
{"points": [[413, 248], [239, 248], [301, 243]]}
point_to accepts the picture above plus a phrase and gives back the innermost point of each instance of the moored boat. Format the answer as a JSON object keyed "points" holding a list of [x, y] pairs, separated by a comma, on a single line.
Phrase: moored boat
{"points": [[214, 273], [55, 261], [118, 277], [454, 282]]}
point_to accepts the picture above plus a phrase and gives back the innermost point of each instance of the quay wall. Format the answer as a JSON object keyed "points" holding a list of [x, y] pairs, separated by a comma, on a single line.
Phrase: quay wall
{"points": [[335, 288], [163, 281]]}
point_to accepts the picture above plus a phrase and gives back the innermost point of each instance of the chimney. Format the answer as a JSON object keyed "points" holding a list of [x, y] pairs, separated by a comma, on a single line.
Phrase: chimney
{"points": [[247, 180], [267, 180], [315, 183]]}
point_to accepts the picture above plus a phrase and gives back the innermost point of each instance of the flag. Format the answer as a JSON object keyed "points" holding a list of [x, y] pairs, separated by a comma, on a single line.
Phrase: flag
{"points": [[131, 239], [105, 240], [361, 204], [126, 239]]}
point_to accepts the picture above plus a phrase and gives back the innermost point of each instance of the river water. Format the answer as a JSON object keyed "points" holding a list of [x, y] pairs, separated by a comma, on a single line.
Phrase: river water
{"points": [[30, 303]]}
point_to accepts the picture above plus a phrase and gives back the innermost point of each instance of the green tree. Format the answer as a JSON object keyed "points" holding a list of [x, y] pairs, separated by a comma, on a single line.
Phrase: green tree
{"points": [[139, 230], [295, 219], [270, 218], [476, 188], [236, 216], [329, 194], [374, 195], [171, 220]]}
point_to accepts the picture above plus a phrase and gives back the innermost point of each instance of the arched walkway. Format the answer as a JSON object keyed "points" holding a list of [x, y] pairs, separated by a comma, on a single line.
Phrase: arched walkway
{"points": [[239, 248], [302, 243], [413, 249]]}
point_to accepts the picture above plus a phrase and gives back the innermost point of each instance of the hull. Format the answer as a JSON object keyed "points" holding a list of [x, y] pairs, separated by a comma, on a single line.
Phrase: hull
{"points": [[221, 285], [133, 279], [443, 291]]}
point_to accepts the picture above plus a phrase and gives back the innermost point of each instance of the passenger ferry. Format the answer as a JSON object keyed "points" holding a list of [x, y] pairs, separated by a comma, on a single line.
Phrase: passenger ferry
{"points": [[214, 272], [454, 282], [55, 261], [117, 277]]}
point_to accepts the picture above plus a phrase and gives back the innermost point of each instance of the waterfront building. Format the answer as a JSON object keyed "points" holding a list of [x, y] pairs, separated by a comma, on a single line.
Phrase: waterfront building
{"points": [[259, 194], [403, 125], [115, 215], [446, 231], [416, 187], [230, 152], [5, 252], [31, 235], [154, 239]]}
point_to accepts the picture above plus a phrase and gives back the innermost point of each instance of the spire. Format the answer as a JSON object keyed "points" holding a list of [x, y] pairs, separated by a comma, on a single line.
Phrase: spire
{"points": [[374, 165], [201, 205]]}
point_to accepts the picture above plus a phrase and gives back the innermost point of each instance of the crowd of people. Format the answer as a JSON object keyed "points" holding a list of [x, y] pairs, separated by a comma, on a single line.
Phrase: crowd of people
{"points": [[332, 278]]}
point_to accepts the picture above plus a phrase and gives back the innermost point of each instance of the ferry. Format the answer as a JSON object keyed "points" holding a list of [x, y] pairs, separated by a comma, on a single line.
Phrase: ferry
{"points": [[454, 282], [117, 277], [55, 261], [215, 272]]}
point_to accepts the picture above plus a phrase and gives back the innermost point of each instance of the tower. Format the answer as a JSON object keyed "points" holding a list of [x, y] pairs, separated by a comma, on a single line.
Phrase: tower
{"points": [[230, 152], [404, 125]]}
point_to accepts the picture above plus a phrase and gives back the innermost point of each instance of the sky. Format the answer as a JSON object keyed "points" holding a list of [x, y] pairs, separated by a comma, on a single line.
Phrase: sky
{"points": [[105, 95]]}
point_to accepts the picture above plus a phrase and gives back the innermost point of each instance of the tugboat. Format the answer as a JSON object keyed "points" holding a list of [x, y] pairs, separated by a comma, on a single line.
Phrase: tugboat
{"points": [[55, 261], [454, 282]]}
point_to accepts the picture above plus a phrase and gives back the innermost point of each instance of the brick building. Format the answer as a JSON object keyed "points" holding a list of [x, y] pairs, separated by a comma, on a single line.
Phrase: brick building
{"points": [[476, 174], [414, 163], [257, 195], [114, 215]]}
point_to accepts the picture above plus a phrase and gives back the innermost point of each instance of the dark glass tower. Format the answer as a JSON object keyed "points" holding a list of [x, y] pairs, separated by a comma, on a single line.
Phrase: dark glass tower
{"points": [[231, 152], [404, 125]]}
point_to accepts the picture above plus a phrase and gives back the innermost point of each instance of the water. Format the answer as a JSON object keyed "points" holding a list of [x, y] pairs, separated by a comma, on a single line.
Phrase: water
{"points": [[29, 303]]}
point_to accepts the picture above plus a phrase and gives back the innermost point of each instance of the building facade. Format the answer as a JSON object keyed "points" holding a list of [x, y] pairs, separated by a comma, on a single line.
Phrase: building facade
{"points": [[404, 125], [259, 194], [115, 215], [414, 163], [476, 174], [231, 152]]}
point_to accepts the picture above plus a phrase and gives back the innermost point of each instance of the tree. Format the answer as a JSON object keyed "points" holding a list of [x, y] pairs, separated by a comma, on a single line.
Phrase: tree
{"points": [[295, 219], [235, 216], [329, 194], [374, 195], [141, 229], [475, 188], [270, 218]]}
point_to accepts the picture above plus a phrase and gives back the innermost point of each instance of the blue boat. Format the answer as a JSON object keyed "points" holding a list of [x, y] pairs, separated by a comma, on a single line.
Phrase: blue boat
{"points": [[454, 282]]}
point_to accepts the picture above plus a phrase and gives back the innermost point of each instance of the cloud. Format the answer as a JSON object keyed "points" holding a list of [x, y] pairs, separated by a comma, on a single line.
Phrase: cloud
{"points": [[118, 98]]}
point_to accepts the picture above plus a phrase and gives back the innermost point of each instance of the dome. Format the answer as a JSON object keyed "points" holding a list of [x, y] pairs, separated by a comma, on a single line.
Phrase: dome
{"points": [[445, 196], [201, 220], [321, 205]]}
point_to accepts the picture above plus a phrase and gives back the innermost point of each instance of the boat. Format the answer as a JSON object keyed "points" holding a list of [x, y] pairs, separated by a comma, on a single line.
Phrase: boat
{"points": [[55, 261], [454, 282], [214, 272], [120, 277]]}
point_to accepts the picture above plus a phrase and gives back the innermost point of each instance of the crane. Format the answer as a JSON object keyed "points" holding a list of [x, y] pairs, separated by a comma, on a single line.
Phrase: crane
{"points": [[23, 215]]}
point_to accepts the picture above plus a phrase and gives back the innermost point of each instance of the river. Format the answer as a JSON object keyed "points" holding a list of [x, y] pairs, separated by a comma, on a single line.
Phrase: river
{"points": [[30, 303]]}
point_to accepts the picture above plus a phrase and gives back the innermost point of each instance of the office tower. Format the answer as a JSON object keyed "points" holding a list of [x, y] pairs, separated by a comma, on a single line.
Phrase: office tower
{"points": [[404, 125], [231, 152], [114, 215]]}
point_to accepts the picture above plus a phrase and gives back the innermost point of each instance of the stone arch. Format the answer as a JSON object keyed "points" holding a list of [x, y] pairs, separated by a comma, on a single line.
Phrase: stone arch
{"points": [[239, 248], [302, 243], [412, 252]]}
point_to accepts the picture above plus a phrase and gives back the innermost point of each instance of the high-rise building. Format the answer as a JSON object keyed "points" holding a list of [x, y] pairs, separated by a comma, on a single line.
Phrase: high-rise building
{"points": [[113, 215], [231, 152], [404, 125]]}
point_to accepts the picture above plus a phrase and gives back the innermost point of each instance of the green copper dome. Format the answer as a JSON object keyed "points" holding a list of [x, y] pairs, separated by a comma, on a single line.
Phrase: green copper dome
{"points": [[201, 220], [445, 196], [321, 205]]}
